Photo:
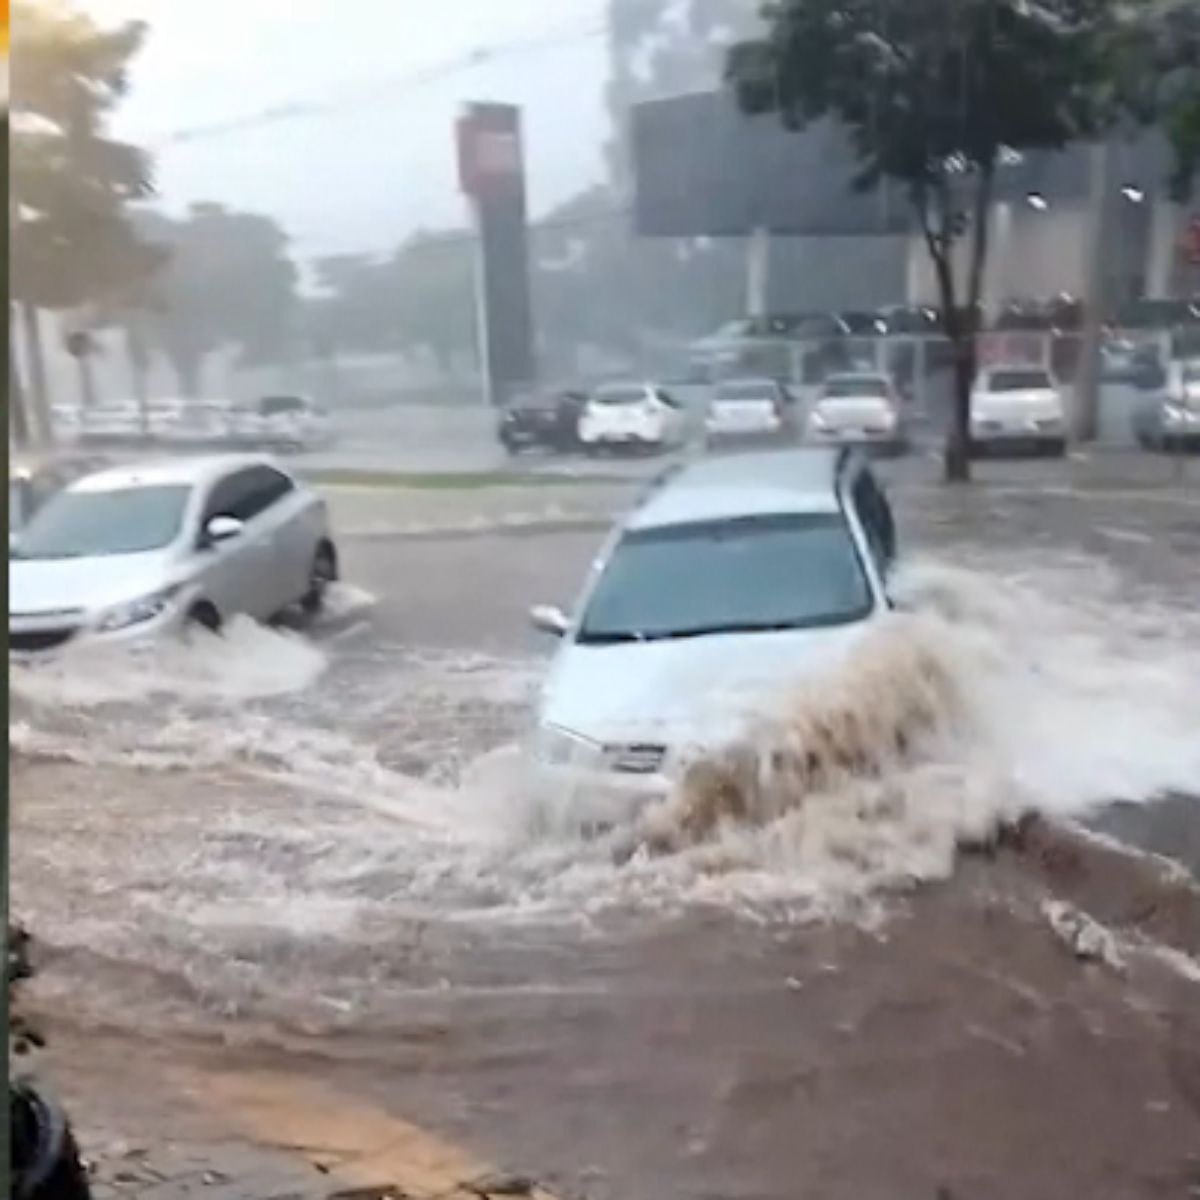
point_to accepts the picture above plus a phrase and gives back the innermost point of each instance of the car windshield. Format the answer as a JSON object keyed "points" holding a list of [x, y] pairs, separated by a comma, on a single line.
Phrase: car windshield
{"points": [[1018, 381], [754, 574], [85, 524], [275, 405], [615, 397], [746, 391], [856, 387]]}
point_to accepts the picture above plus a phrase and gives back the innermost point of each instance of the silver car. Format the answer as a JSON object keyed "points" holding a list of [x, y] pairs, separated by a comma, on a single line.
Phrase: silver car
{"points": [[144, 550]]}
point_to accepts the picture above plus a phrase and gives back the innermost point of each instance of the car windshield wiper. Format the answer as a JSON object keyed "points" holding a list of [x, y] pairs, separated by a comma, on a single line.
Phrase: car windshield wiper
{"points": [[728, 627], [610, 637]]}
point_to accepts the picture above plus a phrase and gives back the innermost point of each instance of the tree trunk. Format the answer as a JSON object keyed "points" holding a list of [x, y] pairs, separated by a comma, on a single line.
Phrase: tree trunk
{"points": [[87, 382], [18, 417], [38, 409], [135, 351]]}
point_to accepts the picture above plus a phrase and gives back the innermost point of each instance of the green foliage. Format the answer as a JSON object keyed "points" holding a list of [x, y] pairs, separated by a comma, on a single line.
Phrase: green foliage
{"points": [[1157, 64], [422, 297], [71, 241], [933, 93], [229, 281]]}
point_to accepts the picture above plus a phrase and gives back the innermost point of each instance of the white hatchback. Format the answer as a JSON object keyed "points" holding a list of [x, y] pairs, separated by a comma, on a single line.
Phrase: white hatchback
{"points": [[1017, 407], [144, 550], [632, 416], [733, 578]]}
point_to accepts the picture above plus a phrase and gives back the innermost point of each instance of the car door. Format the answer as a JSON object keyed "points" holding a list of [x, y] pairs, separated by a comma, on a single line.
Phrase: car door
{"points": [[878, 522], [292, 521], [240, 574]]}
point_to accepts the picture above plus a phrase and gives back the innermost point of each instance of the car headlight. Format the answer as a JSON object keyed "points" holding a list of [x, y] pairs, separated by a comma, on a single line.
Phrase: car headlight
{"points": [[818, 420], [1174, 414], [558, 747], [137, 612]]}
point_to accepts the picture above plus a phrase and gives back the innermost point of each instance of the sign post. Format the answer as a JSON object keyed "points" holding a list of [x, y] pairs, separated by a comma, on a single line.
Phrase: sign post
{"points": [[491, 171]]}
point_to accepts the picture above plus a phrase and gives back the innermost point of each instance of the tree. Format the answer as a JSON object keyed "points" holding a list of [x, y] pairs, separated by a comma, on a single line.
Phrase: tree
{"points": [[1158, 65], [228, 281], [933, 93], [72, 243]]}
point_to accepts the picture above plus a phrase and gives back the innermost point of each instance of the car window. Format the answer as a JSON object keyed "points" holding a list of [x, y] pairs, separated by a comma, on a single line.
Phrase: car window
{"points": [[746, 391], [758, 573], [877, 519], [1018, 381], [272, 406], [131, 520], [667, 398], [617, 396], [247, 493], [855, 386]]}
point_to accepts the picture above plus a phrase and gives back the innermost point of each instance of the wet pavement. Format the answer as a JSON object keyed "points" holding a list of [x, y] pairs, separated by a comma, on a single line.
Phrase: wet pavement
{"points": [[299, 854]]}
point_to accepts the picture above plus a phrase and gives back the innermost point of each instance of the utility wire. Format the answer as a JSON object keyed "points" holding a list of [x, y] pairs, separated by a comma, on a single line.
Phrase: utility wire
{"points": [[356, 97]]}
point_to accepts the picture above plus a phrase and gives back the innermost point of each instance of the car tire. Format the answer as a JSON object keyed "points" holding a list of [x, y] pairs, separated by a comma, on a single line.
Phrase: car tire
{"points": [[322, 572], [203, 615], [1057, 449]]}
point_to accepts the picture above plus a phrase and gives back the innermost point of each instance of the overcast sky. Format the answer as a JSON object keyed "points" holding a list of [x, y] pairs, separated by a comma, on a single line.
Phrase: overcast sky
{"points": [[362, 177]]}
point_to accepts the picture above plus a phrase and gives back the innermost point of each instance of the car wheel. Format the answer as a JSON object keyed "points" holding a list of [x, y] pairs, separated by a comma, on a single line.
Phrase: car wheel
{"points": [[203, 615], [321, 574]]}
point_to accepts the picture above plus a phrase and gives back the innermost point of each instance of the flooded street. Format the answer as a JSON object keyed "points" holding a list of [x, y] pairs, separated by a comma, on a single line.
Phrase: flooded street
{"points": [[318, 848]]}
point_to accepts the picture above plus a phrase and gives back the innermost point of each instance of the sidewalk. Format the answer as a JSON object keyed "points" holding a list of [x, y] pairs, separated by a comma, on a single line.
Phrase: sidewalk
{"points": [[251, 1133]]}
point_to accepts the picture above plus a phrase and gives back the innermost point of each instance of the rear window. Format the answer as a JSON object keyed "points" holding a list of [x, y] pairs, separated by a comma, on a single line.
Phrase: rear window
{"points": [[272, 406], [847, 386], [1018, 381], [746, 391], [621, 395]]}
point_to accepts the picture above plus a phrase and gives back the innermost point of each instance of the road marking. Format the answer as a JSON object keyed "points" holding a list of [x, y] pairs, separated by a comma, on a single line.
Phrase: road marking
{"points": [[352, 1142]]}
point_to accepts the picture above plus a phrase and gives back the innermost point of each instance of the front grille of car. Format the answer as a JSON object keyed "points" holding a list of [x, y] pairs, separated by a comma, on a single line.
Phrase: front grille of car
{"points": [[39, 639], [637, 759]]}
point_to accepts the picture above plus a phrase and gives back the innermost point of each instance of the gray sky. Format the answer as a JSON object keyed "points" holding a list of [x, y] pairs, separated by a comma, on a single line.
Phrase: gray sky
{"points": [[382, 164]]}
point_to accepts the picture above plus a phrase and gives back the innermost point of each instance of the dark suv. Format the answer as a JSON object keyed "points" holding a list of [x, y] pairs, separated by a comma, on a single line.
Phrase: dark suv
{"points": [[548, 419]]}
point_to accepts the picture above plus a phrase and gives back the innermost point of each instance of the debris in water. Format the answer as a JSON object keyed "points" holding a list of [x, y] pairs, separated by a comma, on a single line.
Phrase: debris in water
{"points": [[1084, 937]]}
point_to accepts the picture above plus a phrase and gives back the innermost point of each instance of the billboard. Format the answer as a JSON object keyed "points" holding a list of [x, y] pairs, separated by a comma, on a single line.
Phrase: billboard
{"points": [[491, 171], [703, 168]]}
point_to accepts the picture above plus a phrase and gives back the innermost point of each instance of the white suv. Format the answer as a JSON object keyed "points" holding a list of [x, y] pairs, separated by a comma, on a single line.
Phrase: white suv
{"points": [[735, 576]]}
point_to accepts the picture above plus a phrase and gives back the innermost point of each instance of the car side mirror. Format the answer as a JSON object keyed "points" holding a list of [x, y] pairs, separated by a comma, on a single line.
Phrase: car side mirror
{"points": [[546, 618], [222, 529]]}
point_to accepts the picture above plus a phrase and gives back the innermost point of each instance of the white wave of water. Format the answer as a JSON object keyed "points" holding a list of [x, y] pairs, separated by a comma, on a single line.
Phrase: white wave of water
{"points": [[1016, 686]]}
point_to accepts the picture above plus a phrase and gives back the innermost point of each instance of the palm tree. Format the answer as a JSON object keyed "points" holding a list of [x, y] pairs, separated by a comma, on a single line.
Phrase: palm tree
{"points": [[71, 241]]}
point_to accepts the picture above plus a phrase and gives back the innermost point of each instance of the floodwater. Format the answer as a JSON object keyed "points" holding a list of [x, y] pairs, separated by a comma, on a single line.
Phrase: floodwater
{"points": [[282, 836]]}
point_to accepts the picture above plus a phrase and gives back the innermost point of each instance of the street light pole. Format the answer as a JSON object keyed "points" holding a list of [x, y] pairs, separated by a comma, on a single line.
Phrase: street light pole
{"points": [[1085, 414]]}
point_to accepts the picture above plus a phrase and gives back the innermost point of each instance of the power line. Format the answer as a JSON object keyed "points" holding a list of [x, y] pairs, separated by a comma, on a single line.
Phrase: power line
{"points": [[309, 109], [440, 241]]}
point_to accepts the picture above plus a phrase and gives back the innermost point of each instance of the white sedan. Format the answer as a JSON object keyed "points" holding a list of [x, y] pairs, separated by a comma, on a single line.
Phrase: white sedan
{"points": [[1018, 407], [632, 416], [145, 550]]}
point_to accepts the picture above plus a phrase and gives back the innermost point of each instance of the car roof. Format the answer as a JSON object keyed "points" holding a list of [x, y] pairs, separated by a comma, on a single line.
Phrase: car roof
{"points": [[187, 471], [742, 381], [771, 482]]}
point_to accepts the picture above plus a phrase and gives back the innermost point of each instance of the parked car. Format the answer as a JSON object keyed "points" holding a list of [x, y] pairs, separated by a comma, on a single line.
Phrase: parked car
{"points": [[546, 419], [632, 416], [1171, 421], [112, 423], [1018, 408], [200, 423], [282, 422], [750, 410], [145, 550], [738, 574], [861, 408], [1134, 364], [34, 479]]}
